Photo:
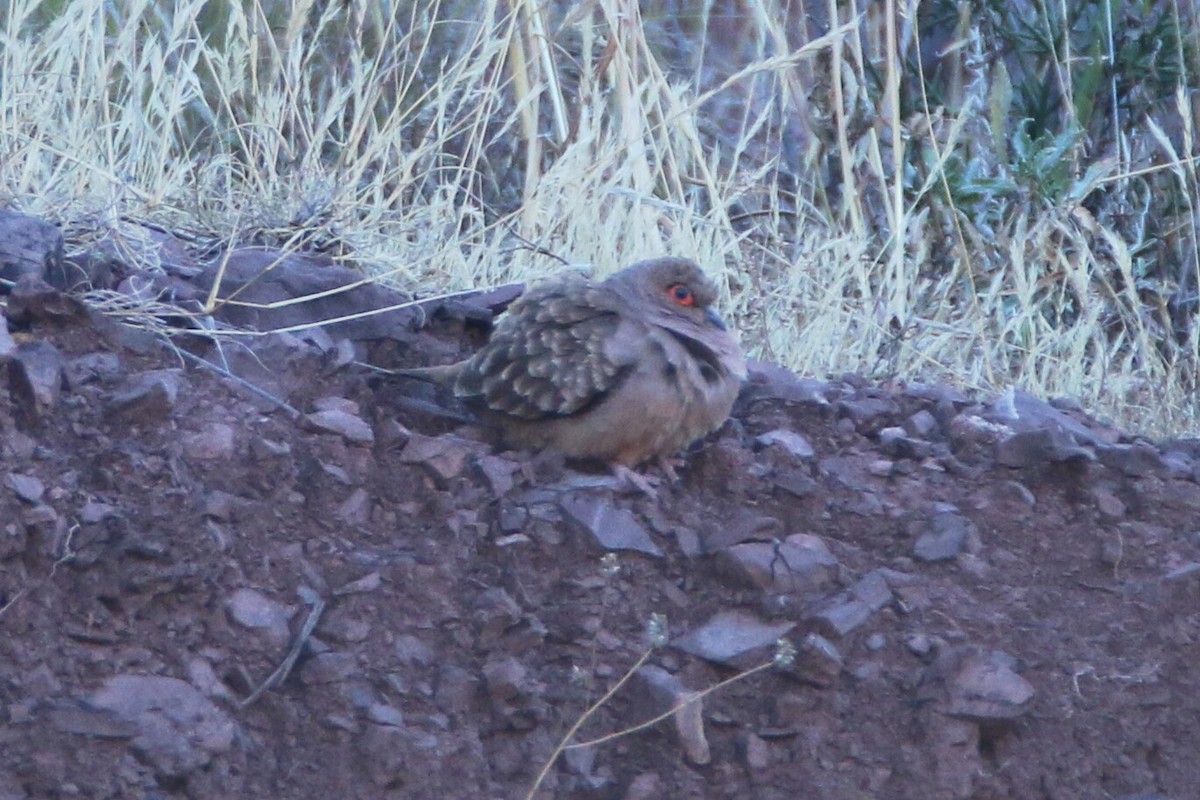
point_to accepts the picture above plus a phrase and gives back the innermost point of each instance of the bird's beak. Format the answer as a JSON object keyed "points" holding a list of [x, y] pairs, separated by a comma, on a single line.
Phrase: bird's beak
{"points": [[715, 318]]}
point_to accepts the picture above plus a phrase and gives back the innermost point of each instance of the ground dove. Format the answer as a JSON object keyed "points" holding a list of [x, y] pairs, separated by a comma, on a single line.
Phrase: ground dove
{"points": [[632, 368]]}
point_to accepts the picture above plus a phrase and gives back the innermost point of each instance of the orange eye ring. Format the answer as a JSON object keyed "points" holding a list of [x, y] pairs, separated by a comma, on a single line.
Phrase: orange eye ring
{"points": [[681, 294]]}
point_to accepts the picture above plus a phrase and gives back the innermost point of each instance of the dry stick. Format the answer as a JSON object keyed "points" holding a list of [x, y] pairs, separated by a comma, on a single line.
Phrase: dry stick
{"points": [[277, 677], [692, 699], [245, 384], [562, 745]]}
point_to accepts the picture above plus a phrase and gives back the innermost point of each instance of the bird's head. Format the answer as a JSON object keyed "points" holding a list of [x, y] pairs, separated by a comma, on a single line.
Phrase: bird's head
{"points": [[672, 290]]}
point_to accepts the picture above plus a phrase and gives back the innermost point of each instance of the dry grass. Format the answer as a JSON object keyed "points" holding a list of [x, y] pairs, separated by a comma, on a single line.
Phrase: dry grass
{"points": [[865, 216]]}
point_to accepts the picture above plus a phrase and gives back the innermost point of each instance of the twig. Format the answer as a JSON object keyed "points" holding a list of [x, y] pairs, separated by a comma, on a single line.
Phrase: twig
{"points": [[245, 384], [280, 674]]}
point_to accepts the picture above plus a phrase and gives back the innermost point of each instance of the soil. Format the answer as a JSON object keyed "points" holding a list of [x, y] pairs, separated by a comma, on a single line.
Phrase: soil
{"points": [[988, 599]]}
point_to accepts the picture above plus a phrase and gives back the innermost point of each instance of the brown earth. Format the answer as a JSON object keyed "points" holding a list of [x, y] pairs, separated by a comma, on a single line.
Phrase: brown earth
{"points": [[988, 600]]}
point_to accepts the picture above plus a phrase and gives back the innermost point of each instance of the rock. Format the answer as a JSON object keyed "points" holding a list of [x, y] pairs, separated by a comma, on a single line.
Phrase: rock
{"points": [[790, 442], [384, 714], [613, 528], [445, 457], [92, 368], [498, 472], [341, 627], [729, 636], [664, 692], [79, 719], [757, 752], [846, 611], [646, 786], [8, 345], [367, 583], [944, 537], [1108, 504], [895, 443], [147, 397], [411, 651], [26, 487], [1133, 460], [28, 247], [335, 403], [35, 378], [350, 427], [869, 414], [784, 567], [202, 675], [768, 381], [33, 300], [177, 730], [213, 443], [1021, 411], [505, 678], [1039, 447], [921, 424], [818, 661], [497, 613], [254, 610], [355, 509], [975, 684], [335, 297], [330, 667]]}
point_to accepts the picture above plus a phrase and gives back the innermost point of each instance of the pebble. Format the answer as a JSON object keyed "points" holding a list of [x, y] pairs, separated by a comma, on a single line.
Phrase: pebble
{"points": [[349, 426], [729, 636], [612, 527], [35, 372], [176, 729]]}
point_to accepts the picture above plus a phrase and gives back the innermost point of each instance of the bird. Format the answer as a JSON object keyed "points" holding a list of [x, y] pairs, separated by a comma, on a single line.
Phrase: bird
{"points": [[625, 370]]}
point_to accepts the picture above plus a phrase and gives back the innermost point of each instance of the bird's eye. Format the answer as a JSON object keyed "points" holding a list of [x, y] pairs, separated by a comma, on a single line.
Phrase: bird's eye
{"points": [[681, 294]]}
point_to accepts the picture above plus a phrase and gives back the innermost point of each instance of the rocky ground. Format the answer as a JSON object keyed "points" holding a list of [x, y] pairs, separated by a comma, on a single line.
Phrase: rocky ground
{"points": [[255, 568]]}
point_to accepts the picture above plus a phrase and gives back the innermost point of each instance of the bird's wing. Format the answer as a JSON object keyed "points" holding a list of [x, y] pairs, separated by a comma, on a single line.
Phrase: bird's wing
{"points": [[550, 355]]}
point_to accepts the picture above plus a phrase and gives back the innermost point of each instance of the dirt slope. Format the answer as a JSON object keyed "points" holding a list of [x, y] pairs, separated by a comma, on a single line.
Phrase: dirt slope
{"points": [[996, 601]]}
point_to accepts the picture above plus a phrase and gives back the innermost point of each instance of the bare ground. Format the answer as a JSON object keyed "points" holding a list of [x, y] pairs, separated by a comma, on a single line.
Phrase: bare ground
{"points": [[989, 600]]}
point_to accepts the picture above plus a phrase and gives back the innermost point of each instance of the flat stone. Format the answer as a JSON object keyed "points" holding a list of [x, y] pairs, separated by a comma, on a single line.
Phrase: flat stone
{"points": [[506, 678], [869, 413], [975, 684], [384, 714], [794, 444], [214, 442], [613, 528], [728, 636], [8, 345], [848, 610], [818, 661], [445, 457], [499, 473], [944, 537], [79, 719], [1134, 460], [663, 692], [29, 246], [921, 424], [26, 487], [1039, 447], [33, 300], [784, 567], [331, 667], [35, 375], [349, 426], [252, 609], [767, 381], [147, 397], [178, 730], [92, 368]]}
